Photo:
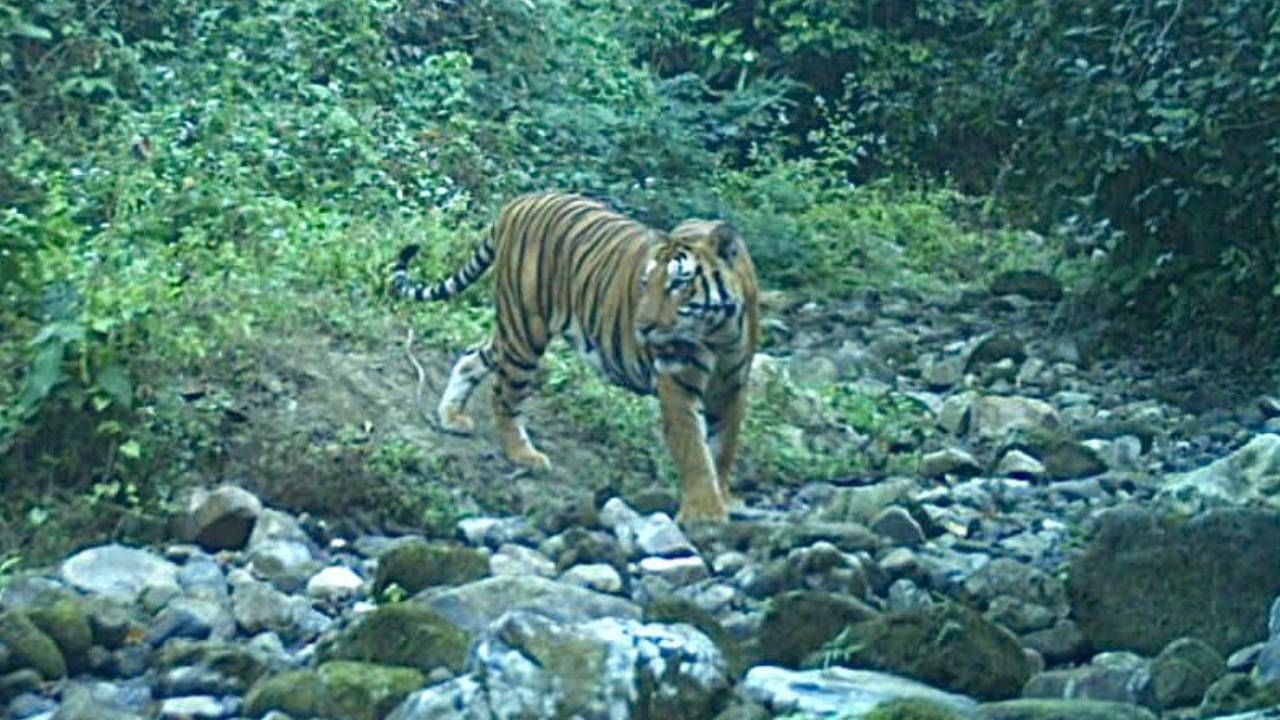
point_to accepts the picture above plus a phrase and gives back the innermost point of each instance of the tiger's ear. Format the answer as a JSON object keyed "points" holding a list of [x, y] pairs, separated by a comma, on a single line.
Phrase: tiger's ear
{"points": [[726, 241]]}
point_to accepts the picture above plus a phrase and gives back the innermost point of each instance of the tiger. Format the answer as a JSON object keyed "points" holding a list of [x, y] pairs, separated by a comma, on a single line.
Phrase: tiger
{"points": [[674, 314]]}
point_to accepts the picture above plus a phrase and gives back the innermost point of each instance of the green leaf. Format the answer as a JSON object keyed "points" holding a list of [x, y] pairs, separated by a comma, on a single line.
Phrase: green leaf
{"points": [[45, 374], [114, 382], [30, 30], [131, 449]]}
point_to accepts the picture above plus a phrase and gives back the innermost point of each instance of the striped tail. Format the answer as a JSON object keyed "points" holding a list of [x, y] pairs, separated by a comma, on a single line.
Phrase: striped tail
{"points": [[454, 284]]}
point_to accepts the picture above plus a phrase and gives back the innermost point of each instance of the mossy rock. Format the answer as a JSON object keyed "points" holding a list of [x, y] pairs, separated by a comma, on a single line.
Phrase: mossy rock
{"points": [[232, 660], [912, 709], [949, 646], [797, 624], [417, 565], [1063, 457], [300, 694], [404, 634], [1141, 582], [672, 610], [1237, 693], [1036, 709], [66, 622], [366, 691], [30, 647], [339, 690], [1183, 671]]}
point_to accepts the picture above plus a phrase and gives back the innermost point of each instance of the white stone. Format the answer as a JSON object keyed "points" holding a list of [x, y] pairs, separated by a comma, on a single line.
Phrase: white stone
{"points": [[594, 576], [677, 571], [334, 583], [512, 559]]}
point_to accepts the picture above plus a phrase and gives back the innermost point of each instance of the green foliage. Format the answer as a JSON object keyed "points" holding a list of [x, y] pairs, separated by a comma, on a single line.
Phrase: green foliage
{"points": [[833, 238]]}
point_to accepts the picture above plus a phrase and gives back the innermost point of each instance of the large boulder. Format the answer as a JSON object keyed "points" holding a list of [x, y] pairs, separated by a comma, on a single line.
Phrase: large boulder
{"points": [[475, 605], [119, 572], [1148, 579], [948, 645], [606, 669], [219, 519], [1250, 475]]}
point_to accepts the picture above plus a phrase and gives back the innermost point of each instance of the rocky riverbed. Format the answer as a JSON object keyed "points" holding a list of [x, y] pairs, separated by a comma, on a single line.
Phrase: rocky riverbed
{"points": [[1071, 544]]}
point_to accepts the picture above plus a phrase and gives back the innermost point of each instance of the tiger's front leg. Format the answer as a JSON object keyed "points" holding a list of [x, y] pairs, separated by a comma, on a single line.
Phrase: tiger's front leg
{"points": [[684, 429], [726, 408]]}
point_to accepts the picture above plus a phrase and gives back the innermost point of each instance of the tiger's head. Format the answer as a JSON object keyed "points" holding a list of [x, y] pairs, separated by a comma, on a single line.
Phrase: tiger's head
{"points": [[691, 288]]}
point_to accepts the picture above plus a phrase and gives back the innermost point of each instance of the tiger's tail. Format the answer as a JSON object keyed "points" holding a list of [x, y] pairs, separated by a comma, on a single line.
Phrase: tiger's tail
{"points": [[454, 284]]}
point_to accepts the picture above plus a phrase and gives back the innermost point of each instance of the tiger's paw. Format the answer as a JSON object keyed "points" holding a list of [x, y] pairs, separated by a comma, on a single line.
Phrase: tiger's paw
{"points": [[455, 420], [530, 458], [708, 510]]}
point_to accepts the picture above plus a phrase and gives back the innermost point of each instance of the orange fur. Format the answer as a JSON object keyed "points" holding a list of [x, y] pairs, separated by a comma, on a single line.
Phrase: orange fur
{"points": [[673, 313]]}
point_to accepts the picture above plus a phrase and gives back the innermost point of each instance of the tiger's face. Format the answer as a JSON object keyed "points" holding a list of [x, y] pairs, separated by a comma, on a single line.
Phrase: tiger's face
{"points": [[690, 289]]}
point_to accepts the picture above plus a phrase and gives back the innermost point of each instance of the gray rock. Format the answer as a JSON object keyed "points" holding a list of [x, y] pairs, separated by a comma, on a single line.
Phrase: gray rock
{"points": [[514, 559], [594, 576], [955, 413], [862, 504], [995, 417], [258, 607], [839, 692], [1250, 475], [191, 618], [286, 563], [905, 596], [940, 373], [658, 536], [119, 572], [1009, 578], [898, 526], [679, 571], [1111, 677], [601, 669], [1018, 464], [475, 605], [203, 577], [950, 461], [220, 519], [334, 583], [1062, 643]]}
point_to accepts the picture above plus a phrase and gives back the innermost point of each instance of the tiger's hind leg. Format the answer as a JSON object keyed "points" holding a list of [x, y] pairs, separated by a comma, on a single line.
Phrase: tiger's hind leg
{"points": [[470, 369], [514, 384]]}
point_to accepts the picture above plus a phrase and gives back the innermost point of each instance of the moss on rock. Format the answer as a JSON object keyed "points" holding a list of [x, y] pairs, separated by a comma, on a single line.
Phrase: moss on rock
{"points": [[67, 624], [912, 709], [340, 690], [30, 647], [949, 646], [404, 634], [798, 623], [417, 565]]}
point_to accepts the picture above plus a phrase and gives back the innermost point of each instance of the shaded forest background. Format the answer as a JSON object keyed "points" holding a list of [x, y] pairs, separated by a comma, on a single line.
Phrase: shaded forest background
{"points": [[186, 182]]}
